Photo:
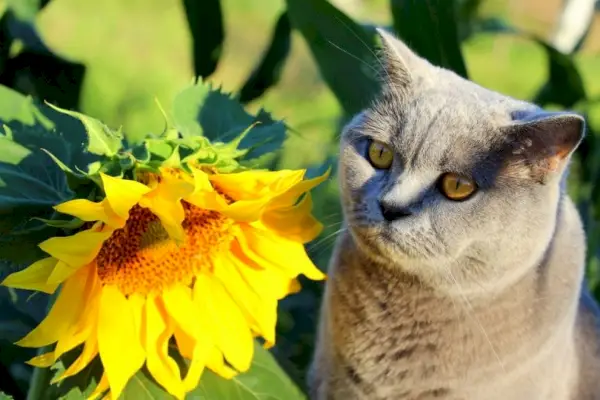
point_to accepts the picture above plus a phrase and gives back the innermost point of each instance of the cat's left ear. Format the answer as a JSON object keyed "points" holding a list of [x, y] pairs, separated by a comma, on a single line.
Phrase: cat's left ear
{"points": [[544, 141]]}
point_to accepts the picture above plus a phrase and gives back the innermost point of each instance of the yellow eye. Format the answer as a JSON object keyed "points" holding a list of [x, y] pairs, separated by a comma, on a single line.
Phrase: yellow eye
{"points": [[380, 155], [457, 187]]}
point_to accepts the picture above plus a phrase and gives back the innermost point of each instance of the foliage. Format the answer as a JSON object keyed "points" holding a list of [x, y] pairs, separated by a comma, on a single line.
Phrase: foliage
{"points": [[35, 69], [42, 142]]}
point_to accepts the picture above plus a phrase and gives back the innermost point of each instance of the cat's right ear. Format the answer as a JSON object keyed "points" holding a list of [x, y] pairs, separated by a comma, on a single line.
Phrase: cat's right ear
{"points": [[542, 142], [402, 67]]}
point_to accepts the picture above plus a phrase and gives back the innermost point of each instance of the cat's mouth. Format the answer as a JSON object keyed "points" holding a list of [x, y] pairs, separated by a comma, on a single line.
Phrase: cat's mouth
{"points": [[393, 243]]}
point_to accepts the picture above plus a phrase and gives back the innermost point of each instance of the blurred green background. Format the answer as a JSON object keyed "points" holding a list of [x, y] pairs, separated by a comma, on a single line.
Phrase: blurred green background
{"points": [[136, 51]]}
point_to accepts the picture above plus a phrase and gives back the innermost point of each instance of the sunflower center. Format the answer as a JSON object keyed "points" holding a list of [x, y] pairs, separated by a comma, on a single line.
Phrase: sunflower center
{"points": [[140, 257]]}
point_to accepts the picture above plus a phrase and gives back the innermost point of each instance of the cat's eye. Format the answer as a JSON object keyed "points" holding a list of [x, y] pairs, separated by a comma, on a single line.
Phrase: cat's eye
{"points": [[457, 187], [380, 155]]}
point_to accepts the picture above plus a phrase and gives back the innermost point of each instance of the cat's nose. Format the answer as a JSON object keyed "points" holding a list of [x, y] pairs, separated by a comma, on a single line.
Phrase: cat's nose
{"points": [[392, 212]]}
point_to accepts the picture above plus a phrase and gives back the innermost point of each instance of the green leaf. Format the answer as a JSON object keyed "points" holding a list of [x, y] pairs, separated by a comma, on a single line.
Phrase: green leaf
{"points": [[438, 19], [264, 381], [78, 387], [25, 9], [6, 41], [15, 106], [4, 396], [74, 223], [467, 17], [565, 85], [201, 111], [102, 139], [343, 50], [74, 179], [268, 71], [36, 70], [46, 76], [206, 26], [19, 250]]}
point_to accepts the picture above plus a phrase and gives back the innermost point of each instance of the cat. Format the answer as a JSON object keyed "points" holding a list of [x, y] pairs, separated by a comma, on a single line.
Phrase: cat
{"points": [[459, 274]]}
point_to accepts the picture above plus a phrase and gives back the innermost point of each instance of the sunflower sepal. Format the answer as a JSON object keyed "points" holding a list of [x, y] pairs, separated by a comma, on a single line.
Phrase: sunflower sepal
{"points": [[68, 225], [102, 140]]}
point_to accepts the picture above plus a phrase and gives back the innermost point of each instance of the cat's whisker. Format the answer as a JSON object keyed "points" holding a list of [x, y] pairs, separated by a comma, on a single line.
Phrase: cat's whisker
{"points": [[375, 55], [352, 55], [329, 239]]}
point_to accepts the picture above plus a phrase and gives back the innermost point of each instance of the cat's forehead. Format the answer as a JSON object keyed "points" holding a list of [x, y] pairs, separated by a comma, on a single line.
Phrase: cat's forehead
{"points": [[444, 123]]}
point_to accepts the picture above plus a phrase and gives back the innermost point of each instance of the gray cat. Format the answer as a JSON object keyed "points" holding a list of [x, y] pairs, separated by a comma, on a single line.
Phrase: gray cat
{"points": [[459, 274]]}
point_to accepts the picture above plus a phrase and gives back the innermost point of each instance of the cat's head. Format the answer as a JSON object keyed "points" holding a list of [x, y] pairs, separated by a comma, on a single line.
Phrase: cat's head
{"points": [[451, 181]]}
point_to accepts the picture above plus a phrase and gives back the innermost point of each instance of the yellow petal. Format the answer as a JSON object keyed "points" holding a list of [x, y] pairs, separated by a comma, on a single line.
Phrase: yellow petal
{"points": [[255, 191], [90, 351], [165, 202], [33, 277], [179, 305], [64, 313], [185, 343], [258, 305], [194, 331], [231, 332], [120, 350], [267, 248], [290, 196], [137, 303], [251, 185], [100, 389], [245, 210], [61, 272], [267, 283], [122, 194], [86, 325], [199, 359], [255, 311], [204, 195], [295, 222], [158, 332], [216, 363], [77, 250], [43, 360], [87, 210]]}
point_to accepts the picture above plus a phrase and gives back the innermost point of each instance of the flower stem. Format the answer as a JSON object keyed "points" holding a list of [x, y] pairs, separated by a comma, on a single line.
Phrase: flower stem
{"points": [[40, 379]]}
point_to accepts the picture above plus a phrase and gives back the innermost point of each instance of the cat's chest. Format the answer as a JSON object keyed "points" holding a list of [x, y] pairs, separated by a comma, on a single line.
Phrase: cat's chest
{"points": [[388, 348], [427, 348]]}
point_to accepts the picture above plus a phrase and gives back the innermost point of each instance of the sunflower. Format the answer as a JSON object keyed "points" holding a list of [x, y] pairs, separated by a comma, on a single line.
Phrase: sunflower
{"points": [[197, 260]]}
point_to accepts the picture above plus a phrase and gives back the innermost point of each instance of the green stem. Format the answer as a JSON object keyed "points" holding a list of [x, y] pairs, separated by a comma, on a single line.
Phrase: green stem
{"points": [[40, 379]]}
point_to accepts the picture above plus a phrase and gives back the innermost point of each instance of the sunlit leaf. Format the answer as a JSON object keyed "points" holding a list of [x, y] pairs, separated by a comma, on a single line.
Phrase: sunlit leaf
{"points": [[429, 27], [206, 26], [200, 110], [343, 50]]}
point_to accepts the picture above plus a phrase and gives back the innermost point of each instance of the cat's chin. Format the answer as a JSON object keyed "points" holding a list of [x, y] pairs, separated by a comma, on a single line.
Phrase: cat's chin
{"points": [[376, 242]]}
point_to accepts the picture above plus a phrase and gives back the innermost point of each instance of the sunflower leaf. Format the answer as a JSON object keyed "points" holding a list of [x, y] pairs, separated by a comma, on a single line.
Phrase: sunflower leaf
{"points": [[63, 224], [201, 110], [264, 381], [102, 140]]}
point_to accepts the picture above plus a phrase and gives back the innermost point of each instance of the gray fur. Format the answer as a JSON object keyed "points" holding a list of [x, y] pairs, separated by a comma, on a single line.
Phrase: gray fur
{"points": [[480, 299]]}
